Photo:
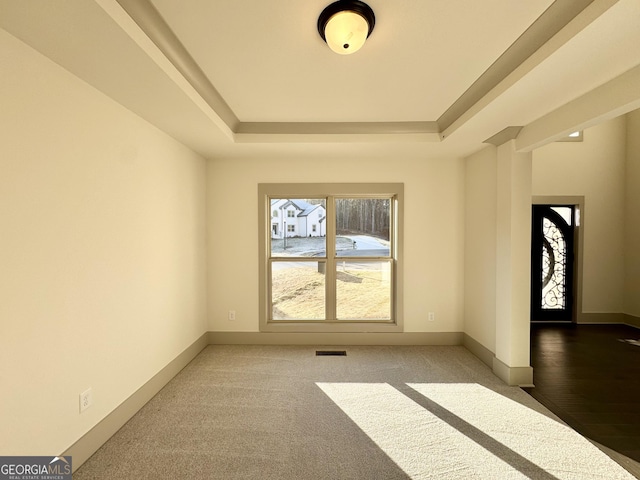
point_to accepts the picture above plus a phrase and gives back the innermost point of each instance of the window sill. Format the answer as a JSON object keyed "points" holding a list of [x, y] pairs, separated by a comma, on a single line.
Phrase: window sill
{"points": [[332, 327]]}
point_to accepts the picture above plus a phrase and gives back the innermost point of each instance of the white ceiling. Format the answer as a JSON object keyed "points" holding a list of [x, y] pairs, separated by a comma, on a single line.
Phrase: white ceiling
{"points": [[269, 63], [253, 77]]}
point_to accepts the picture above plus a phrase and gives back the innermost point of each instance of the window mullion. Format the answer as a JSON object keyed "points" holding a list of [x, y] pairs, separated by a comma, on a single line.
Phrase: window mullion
{"points": [[330, 275]]}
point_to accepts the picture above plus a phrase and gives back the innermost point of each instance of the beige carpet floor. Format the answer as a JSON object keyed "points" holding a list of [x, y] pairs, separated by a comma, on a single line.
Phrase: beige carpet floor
{"points": [[281, 412]]}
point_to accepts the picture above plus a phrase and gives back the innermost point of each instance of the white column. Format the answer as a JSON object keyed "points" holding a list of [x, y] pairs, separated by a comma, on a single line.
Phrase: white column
{"points": [[513, 266]]}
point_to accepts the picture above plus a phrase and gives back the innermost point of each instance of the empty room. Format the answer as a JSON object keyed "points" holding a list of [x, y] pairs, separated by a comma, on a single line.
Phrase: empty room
{"points": [[315, 239]]}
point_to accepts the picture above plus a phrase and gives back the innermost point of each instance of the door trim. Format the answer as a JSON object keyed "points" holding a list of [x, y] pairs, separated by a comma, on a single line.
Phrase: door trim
{"points": [[578, 248]]}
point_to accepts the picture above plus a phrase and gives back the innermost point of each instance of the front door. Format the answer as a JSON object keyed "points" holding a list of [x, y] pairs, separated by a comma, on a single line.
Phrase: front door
{"points": [[552, 270]]}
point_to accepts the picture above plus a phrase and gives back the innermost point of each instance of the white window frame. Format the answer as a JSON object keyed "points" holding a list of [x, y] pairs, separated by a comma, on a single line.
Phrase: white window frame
{"points": [[269, 191]]}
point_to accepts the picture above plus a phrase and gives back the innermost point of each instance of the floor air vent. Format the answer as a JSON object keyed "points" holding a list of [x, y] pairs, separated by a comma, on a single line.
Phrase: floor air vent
{"points": [[331, 353]]}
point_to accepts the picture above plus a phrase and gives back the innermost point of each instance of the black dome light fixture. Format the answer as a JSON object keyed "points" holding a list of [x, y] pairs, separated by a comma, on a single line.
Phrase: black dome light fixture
{"points": [[345, 25]]}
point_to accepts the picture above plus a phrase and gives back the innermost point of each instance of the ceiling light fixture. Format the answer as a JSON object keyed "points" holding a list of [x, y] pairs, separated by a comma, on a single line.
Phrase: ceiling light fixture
{"points": [[345, 25]]}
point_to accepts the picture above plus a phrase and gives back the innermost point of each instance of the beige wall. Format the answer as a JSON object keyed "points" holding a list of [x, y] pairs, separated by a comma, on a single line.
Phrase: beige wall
{"points": [[497, 258], [102, 277], [605, 169], [632, 217], [480, 247], [433, 233], [595, 169]]}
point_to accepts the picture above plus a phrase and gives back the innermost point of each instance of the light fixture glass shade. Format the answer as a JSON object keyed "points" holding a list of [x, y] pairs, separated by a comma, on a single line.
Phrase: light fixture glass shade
{"points": [[346, 32]]}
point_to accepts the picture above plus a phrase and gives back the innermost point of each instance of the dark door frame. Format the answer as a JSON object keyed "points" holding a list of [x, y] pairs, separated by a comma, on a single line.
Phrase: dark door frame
{"points": [[541, 213], [578, 203]]}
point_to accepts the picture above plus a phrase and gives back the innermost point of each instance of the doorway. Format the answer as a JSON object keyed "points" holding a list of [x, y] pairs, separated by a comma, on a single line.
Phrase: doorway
{"points": [[552, 263]]}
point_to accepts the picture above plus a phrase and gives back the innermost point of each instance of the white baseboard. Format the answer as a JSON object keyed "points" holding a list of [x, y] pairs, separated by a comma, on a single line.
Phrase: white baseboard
{"points": [[90, 442], [587, 318], [520, 376], [483, 353], [631, 320], [516, 376], [317, 338]]}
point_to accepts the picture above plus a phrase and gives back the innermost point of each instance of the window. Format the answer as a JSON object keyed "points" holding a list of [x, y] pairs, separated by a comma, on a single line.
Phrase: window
{"points": [[291, 213], [274, 213], [343, 277], [572, 137]]}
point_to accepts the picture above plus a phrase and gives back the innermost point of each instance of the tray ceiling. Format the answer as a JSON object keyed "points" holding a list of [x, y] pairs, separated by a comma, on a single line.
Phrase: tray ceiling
{"points": [[247, 77]]}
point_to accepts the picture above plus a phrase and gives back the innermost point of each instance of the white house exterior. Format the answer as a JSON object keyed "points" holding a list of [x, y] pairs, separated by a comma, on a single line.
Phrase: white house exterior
{"points": [[297, 218]]}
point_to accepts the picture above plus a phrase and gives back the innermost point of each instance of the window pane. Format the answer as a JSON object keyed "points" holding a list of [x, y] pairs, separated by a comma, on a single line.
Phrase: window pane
{"points": [[363, 290], [554, 265], [362, 227], [298, 290], [566, 213], [298, 227]]}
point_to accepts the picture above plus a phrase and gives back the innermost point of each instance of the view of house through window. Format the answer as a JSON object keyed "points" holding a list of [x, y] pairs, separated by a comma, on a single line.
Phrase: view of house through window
{"points": [[330, 258], [298, 288]]}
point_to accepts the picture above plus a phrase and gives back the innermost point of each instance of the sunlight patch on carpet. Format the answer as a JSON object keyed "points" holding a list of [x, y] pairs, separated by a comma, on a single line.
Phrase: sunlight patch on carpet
{"points": [[416, 440], [487, 436], [548, 443]]}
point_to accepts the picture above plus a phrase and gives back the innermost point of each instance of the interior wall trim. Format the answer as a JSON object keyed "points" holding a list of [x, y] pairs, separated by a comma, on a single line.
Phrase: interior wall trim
{"points": [[515, 376], [631, 320], [149, 20], [343, 338], [610, 100], [604, 318], [485, 355], [91, 441], [558, 24]]}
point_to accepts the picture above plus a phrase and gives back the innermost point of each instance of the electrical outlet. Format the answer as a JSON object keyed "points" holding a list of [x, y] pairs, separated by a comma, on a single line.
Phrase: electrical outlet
{"points": [[432, 317], [86, 400], [232, 315]]}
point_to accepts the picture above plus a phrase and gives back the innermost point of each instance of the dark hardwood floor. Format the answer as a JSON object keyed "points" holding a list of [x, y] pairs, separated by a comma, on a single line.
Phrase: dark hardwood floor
{"points": [[590, 377]]}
